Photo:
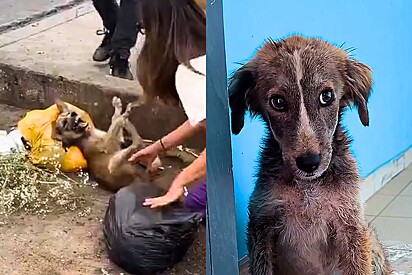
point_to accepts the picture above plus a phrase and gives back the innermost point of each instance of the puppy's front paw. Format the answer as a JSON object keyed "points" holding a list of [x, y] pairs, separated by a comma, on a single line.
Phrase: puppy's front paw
{"points": [[117, 102], [154, 168], [110, 168], [113, 164], [128, 110]]}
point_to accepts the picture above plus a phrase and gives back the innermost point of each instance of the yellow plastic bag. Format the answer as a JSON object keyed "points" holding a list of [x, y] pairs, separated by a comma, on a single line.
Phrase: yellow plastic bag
{"points": [[37, 128], [201, 3]]}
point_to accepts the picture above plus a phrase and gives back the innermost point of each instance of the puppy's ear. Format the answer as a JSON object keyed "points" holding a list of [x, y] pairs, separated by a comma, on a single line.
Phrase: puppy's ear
{"points": [[83, 125], [358, 85], [239, 85], [61, 105], [53, 131], [80, 125]]}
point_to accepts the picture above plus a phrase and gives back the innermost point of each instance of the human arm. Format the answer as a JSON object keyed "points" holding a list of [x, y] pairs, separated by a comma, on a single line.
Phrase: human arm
{"points": [[196, 170], [147, 155]]}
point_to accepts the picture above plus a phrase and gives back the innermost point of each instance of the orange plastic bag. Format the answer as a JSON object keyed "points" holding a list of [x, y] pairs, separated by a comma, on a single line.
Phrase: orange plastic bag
{"points": [[37, 128]]}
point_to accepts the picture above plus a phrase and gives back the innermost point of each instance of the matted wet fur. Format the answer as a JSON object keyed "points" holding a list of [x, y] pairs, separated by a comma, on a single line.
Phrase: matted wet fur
{"points": [[107, 161], [305, 214], [175, 32]]}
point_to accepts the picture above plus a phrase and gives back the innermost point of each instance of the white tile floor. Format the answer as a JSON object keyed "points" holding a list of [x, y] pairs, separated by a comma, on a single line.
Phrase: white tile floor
{"points": [[390, 211]]}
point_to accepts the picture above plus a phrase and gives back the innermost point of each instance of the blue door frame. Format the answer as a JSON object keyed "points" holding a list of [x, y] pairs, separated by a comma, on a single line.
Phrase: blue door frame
{"points": [[221, 250]]}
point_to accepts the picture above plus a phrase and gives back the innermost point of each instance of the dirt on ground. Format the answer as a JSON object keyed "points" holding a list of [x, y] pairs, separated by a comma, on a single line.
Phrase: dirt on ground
{"points": [[71, 242]]}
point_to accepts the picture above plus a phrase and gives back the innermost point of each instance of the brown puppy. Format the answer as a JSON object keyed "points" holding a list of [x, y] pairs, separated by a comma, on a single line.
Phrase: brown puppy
{"points": [[107, 162], [305, 215]]}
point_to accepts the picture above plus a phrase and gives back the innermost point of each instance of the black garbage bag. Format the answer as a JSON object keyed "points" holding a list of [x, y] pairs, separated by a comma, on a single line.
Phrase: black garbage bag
{"points": [[147, 241]]}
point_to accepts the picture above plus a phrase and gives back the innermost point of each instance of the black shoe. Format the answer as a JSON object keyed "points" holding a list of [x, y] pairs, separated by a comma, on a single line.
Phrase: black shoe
{"points": [[119, 66], [102, 53]]}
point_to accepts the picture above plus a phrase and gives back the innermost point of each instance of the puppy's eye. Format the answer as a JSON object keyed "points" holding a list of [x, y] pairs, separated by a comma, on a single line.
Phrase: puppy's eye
{"points": [[326, 97], [278, 103]]}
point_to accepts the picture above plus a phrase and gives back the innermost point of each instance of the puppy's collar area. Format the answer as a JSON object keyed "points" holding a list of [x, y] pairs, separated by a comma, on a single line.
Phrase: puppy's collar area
{"points": [[88, 131]]}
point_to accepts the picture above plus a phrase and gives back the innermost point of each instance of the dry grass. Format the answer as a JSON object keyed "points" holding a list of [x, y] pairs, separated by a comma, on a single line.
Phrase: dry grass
{"points": [[34, 190]]}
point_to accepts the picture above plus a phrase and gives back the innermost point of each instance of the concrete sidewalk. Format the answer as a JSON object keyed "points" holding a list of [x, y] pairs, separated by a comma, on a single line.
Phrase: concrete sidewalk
{"points": [[19, 13], [52, 58], [62, 45]]}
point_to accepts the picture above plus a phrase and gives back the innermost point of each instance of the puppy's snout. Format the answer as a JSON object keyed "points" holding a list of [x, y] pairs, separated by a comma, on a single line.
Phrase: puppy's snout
{"points": [[308, 163]]}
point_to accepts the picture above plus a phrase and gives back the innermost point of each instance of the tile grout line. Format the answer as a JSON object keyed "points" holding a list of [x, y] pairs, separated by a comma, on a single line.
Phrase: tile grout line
{"points": [[396, 217], [394, 198]]}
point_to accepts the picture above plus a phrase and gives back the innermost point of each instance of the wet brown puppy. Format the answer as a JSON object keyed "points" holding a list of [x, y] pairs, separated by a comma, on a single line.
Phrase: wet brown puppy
{"points": [[305, 214], [107, 161]]}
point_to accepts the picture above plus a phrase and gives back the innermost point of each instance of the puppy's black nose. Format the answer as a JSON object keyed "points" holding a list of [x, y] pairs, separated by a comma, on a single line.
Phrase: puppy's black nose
{"points": [[308, 163]]}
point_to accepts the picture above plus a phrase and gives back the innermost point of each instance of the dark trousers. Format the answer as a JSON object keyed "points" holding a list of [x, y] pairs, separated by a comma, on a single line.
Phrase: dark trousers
{"points": [[121, 22]]}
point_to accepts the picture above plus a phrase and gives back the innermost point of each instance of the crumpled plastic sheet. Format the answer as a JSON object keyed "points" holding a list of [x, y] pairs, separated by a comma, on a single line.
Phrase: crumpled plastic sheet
{"points": [[400, 256], [10, 141]]}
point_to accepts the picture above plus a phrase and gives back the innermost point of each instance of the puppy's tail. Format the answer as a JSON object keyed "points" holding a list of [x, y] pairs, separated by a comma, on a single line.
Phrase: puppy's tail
{"points": [[381, 265]]}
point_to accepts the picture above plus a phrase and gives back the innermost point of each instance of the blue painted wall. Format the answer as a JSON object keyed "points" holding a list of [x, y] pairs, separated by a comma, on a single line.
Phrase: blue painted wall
{"points": [[382, 33]]}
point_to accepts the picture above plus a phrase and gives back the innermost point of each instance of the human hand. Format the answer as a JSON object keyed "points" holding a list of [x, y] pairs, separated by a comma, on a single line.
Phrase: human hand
{"points": [[145, 156], [172, 195]]}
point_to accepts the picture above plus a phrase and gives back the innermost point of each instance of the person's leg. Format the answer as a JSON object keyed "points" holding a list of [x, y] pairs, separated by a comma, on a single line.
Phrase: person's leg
{"points": [[196, 198], [124, 39], [108, 11]]}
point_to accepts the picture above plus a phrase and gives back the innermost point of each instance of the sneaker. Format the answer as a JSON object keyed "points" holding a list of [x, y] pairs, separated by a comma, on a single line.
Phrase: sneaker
{"points": [[102, 53], [120, 67]]}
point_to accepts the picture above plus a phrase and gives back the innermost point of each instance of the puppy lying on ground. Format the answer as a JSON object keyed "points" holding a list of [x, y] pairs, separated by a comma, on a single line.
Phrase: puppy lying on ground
{"points": [[107, 161], [305, 214]]}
